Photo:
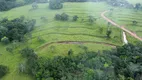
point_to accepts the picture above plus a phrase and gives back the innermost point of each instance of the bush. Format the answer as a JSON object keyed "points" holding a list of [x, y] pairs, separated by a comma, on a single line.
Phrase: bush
{"points": [[91, 19], [10, 49], [75, 18], [3, 70], [58, 17], [108, 33], [5, 40], [31, 61], [63, 17], [3, 31], [34, 5], [55, 4], [27, 52], [44, 19]]}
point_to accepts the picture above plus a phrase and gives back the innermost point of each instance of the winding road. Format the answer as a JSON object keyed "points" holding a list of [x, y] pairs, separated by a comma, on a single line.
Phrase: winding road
{"points": [[121, 27]]}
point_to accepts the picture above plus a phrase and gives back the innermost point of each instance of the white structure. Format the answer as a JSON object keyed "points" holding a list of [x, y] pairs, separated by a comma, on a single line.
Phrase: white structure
{"points": [[124, 38]]}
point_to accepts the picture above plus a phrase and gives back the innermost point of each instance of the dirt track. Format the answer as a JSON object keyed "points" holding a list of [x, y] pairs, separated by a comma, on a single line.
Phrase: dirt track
{"points": [[121, 27]]}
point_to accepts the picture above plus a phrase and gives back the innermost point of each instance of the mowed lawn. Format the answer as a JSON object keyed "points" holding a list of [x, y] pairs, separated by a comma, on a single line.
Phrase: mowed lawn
{"points": [[53, 31]]}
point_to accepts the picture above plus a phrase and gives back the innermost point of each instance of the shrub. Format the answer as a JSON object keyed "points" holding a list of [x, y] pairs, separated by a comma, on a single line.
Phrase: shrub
{"points": [[58, 17], [3, 70], [27, 52], [64, 17], [75, 18], [10, 49], [5, 40], [55, 4]]}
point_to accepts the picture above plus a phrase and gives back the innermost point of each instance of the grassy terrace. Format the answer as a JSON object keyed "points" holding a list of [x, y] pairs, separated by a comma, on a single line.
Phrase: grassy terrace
{"points": [[53, 31], [125, 17]]}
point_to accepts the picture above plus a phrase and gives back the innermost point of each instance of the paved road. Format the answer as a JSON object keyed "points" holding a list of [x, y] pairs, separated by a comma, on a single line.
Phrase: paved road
{"points": [[121, 27]]}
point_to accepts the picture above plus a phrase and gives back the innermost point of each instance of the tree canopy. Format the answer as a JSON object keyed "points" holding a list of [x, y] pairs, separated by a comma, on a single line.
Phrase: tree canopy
{"points": [[122, 63], [15, 29]]}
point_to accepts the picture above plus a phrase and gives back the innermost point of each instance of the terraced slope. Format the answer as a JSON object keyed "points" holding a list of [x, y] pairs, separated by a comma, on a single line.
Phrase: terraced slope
{"points": [[121, 27], [125, 17], [79, 34]]}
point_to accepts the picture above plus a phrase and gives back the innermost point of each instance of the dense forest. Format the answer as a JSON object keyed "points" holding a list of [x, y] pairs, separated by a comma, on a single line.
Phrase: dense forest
{"points": [[122, 63]]}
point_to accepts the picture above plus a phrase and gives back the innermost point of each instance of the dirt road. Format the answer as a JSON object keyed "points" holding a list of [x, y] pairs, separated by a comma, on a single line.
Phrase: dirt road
{"points": [[121, 27]]}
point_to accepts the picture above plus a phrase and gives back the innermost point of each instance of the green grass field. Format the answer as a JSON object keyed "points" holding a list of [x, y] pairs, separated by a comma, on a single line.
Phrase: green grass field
{"points": [[53, 31]]}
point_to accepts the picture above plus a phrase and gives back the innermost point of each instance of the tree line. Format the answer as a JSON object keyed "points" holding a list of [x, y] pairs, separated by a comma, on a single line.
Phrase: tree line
{"points": [[65, 17], [9, 4], [58, 4], [122, 63]]}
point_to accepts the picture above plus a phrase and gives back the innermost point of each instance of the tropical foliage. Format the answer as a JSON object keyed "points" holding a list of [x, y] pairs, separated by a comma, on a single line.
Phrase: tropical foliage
{"points": [[122, 63], [15, 29]]}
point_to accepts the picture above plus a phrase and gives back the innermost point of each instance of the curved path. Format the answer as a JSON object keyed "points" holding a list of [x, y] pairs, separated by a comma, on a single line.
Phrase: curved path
{"points": [[121, 27], [76, 42]]}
